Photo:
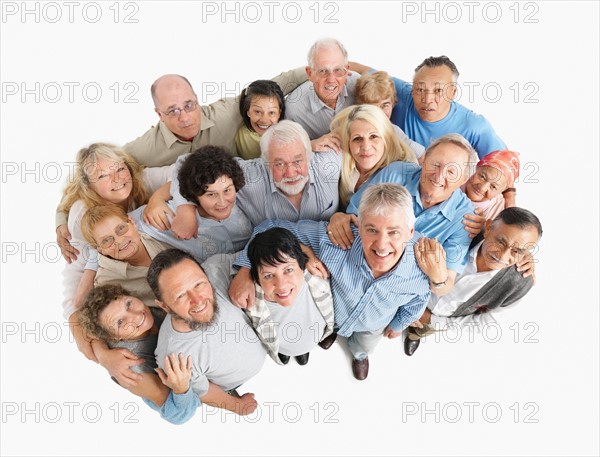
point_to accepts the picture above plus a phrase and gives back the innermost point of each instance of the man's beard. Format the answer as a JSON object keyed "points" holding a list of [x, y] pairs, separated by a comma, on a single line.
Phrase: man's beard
{"points": [[292, 188], [196, 326]]}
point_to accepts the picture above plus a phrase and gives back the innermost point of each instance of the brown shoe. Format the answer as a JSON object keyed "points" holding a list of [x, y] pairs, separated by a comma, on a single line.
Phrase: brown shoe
{"points": [[328, 342], [360, 368]]}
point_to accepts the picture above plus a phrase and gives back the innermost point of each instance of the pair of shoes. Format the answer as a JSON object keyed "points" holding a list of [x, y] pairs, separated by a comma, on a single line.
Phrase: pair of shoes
{"points": [[284, 358], [328, 342], [302, 359], [411, 346], [360, 368]]}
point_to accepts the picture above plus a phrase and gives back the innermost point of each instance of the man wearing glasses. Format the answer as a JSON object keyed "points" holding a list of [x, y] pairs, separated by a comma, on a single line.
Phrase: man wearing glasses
{"points": [[498, 274], [329, 89], [185, 125]]}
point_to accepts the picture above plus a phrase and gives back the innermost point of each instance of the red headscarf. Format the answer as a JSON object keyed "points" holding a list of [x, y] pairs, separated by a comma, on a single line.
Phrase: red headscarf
{"points": [[505, 161]]}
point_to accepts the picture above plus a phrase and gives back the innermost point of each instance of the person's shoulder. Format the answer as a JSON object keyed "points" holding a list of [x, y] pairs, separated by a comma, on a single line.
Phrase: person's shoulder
{"points": [[298, 94], [461, 202], [470, 116]]}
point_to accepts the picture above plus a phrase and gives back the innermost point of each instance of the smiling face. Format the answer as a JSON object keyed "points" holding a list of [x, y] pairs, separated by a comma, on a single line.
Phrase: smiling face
{"points": [[218, 200], [289, 166], [485, 184], [126, 318], [172, 92], [444, 171], [117, 238], [110, 179], [327, 61], [433, 92], [505, 245], [366, 145], [187, 295], [281, 283], [263, 113], [384, 239]]}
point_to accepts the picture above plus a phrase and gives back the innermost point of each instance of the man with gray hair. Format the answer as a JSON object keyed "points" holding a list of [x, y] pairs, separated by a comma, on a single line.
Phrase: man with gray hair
{"points": [[329, 89], [287, 182], [377, 285], [438, 203]]}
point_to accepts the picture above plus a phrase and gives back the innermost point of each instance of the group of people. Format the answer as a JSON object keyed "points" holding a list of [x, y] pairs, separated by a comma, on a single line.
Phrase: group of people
{"points": [[331, 200]]}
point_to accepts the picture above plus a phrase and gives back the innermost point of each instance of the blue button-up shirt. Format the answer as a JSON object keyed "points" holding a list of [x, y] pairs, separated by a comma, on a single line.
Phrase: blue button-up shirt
{"points": [[442, 221], [362, 302]]}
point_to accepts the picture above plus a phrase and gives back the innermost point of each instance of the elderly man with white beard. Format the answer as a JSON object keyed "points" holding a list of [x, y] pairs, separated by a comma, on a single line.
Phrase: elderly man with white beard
{"points": [[289, 181]]}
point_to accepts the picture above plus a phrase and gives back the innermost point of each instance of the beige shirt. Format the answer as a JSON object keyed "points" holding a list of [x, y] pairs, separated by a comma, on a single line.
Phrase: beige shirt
{"points": [[132, 278]]}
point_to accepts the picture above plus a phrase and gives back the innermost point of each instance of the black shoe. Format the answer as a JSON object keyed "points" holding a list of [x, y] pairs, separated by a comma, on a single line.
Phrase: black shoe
{"points": [[411, 346], [302, 359], [284, 358], [328, 342], [360, 368]]}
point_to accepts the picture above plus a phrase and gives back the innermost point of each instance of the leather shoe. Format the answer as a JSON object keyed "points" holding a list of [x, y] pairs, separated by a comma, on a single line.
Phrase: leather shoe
{"points": [[302, 359], [360, 368], [284, 358], [411, 346], [328, 342]]}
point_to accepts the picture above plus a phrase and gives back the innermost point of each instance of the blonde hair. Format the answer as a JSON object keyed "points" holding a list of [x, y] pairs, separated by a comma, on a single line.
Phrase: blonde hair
{"points": [[80, 189], [97, 214], [374, 88], [395, 148]]}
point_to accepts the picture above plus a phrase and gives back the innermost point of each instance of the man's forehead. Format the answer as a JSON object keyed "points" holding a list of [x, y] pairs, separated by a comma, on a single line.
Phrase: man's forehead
{"points": [[290, 151], [447, 153], [433, 75], [520, 237], [394, 219], [331, 55], [174, 90]]}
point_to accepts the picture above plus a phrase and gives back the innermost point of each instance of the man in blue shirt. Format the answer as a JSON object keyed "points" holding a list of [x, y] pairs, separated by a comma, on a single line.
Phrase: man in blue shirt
{"points": [[438, 203], [426, 109], [377, 285]]}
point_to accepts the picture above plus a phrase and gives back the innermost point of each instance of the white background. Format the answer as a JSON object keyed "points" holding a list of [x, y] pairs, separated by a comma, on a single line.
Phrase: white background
{"points": [[532, 391]]}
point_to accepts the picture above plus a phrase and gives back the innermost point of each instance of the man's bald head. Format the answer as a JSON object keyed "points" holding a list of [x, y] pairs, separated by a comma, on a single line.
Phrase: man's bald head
{"points": [[176, 104]]}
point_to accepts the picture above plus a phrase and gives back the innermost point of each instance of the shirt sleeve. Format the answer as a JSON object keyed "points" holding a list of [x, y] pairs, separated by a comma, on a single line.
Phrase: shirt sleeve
{"points": [[409, 312], [177, 408], [177, 199], [156, 177], [291, 79], [307, 232]]}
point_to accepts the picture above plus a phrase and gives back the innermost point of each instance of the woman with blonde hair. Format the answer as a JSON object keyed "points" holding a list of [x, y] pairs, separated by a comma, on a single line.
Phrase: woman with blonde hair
{"points": [[104, 174], [369, 143]]}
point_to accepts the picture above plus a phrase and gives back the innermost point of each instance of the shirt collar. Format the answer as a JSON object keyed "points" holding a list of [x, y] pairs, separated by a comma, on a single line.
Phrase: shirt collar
{"points": [[316, 104], [448, 208], [170, 138]]}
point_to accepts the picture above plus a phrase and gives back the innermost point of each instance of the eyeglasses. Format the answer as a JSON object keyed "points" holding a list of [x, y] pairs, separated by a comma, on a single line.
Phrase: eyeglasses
{"points": [[120, 230], [437, 93], [338, 72], [282, 166], [176, 112]]}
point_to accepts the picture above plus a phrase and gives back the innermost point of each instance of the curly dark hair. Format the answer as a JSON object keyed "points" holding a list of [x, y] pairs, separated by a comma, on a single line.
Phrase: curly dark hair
{"points": [[96, 300], [203, 167]]}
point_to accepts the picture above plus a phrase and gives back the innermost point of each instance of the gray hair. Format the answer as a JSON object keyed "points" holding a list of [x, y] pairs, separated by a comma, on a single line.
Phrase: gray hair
{"points": [[461, 142], [325, 43], [284, 133], [381, 199]]}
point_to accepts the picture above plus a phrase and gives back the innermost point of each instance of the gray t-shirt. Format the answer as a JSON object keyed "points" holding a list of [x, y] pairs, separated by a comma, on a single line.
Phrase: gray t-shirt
{"points": [[299, 327], [227, 353]]}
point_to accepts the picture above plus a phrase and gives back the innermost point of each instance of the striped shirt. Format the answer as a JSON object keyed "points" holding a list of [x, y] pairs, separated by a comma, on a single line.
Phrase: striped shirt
{"points": [[442, 221], [260, 199], [361, 302], [305, 107]]}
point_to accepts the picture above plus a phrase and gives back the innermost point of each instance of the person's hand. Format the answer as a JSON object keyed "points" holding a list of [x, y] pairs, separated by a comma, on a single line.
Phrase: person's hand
{"points": [[313, 264], [118, 362], [157, 213], [329, 141], [177, 373], [68, 251], [474, 223], [339, 229], [241, 289], [246, 404], [526, 266], [431, 257], [389, 333], [185, 224]]}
